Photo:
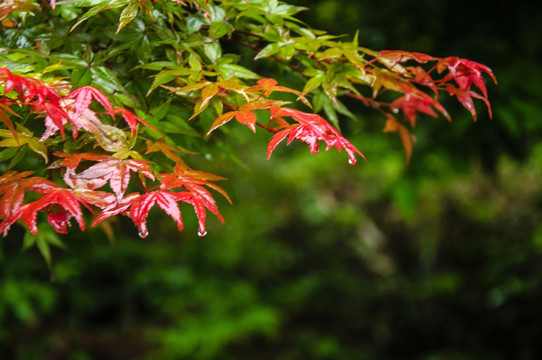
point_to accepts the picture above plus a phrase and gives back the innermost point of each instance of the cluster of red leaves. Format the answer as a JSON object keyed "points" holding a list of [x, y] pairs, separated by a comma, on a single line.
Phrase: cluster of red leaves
{"points": [[61, 204], [30, 92], [192, 182], [13, 186], [183, 184], [456, 78], [308, 128], [464, 73]]}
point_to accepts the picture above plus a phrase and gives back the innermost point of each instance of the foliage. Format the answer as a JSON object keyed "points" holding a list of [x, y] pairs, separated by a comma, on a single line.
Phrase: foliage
{"points": [[438, 259], [82, 67]]}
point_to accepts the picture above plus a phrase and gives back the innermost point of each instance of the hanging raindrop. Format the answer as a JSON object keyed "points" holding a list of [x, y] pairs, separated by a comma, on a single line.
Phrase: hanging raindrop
{"points": [[396, 110], [202, 234], [143, 232], [351, 162]]}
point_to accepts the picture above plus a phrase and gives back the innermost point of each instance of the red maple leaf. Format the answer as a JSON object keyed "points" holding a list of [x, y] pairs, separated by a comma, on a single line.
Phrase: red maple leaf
{"points": [[112, 170], [56, 118], [137, 207], [60, 203], [72, 160], [465, 98], [244, 115], [400, 56], [83, 97], [59, 218], [101, 199], [196, 195], [36, 94], [311, 129], [12, 187], [28, 89], [132, 120], [466, 72], [166, 200], [86, 120], [415, 101], [78, 112]]}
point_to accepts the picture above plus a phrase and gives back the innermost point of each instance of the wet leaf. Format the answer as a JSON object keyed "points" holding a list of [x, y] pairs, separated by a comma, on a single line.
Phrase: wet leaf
{"points": [[128, 14]]}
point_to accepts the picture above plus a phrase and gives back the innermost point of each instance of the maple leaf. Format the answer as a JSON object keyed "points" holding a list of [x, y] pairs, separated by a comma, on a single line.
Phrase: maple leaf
{"points": [[422, 77], [44, 95], [466, 72], [82, 117], [392, 125], [101, 199], [112, 170], [207, 93], [311, 129], [83, 97], [105, 135], [465, 98], [12, 187], [196, 195], [58, 218], [132, 120], [166, 200], [137, 207], [168, 150], [15, 82], [108, 137], [244, 115], [268, 86], [36, 94], [78, 113], [414, 101], [30, 90], [393, 59], [72, 161], [56, 119], [115, 208], [400, 56], [191, 179]]}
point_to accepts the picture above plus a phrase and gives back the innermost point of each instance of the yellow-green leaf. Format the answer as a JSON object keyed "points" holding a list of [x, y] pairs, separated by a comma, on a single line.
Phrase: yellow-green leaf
{"points": [[128, 14]]}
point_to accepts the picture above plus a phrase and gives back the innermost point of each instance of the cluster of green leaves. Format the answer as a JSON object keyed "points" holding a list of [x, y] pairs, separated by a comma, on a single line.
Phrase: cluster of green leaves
{"points": [[81, 65]]}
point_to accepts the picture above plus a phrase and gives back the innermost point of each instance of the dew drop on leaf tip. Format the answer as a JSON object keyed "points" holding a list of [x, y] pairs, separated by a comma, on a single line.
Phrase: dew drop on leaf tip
{"points": [[143, 232]]}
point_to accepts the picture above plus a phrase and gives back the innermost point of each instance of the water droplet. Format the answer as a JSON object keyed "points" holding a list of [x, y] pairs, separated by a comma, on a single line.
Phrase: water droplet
{"points": [[202, 234], [395, 111], [351, 162], [143, 232]]}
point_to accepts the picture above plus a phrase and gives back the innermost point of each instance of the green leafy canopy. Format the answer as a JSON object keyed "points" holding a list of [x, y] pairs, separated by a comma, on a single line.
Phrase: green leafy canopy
{"points": [[104, 103]]}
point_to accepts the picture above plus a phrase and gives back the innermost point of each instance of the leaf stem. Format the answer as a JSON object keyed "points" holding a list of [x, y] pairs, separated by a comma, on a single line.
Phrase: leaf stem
{"points": [[266, 128]]}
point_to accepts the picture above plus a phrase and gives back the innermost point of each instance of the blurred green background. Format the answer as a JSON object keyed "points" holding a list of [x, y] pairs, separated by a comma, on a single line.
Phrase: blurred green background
{"points": [[440, 259]]}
